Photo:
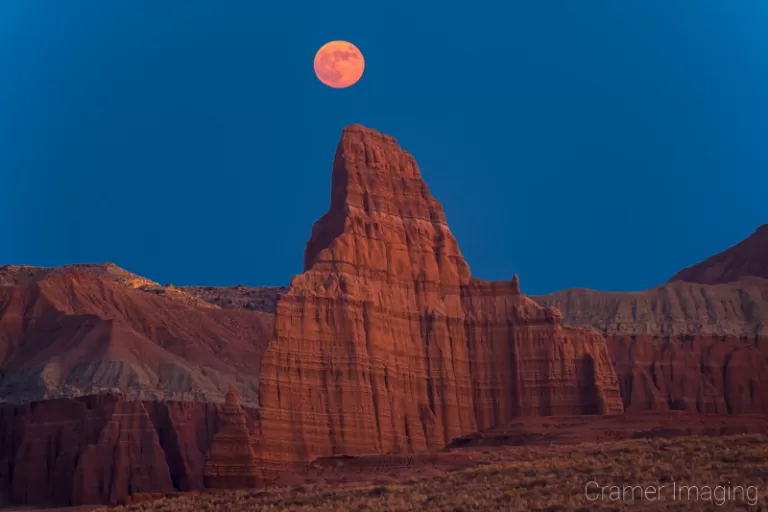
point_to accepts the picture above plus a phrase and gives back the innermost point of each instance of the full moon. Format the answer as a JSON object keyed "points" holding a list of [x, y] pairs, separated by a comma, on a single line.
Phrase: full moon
{"points": [[339, 64]]}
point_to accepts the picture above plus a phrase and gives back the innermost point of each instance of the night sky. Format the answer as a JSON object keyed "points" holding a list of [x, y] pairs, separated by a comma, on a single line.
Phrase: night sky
{"points": [[602, 144]]}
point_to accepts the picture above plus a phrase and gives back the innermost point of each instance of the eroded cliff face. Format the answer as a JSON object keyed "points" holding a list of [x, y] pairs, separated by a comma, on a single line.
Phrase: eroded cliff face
{"points": [[683, 345], [386, 343], [232, 463], [102, 449], [696, 373]]}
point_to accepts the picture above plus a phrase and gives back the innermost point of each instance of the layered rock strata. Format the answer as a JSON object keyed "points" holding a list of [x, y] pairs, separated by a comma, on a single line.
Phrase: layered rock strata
{"points": [[387, 343], [71, 332], [231, 463], [69, 339], [697, 343]]}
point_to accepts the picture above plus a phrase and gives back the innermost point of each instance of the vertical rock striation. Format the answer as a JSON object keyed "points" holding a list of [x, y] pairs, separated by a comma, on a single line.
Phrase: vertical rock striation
{"points": [[387, 343], [94, 450], [231, 463], [103, 448], [697, 343]]}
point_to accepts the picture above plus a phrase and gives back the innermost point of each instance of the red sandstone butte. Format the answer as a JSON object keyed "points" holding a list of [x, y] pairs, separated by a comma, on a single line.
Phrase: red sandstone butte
{"points": [[231, 463], [386, 342]]}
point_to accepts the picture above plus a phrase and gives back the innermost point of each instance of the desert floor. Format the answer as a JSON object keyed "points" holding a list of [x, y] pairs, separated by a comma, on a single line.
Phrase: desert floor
{"points": [[680, 473]]}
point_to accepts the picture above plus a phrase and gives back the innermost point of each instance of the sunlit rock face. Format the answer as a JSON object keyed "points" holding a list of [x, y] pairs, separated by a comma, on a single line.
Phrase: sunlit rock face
{"points": [[387, 343]]}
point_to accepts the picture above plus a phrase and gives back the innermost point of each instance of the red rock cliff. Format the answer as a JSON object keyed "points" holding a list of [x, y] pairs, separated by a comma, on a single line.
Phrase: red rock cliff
{"points": [[386, 342], [696, 343], [102, 449]]}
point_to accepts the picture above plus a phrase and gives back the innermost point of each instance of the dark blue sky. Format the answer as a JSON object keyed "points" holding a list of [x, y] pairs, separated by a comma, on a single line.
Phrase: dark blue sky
{"points": [[601, 144]]}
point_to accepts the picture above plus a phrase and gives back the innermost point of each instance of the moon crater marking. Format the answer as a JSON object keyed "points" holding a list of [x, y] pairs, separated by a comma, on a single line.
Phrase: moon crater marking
{"points": [[339, 64]]}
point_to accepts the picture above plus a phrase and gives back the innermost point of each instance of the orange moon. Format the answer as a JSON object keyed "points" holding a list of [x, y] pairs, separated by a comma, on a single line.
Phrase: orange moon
{"points": [[339, 64]]}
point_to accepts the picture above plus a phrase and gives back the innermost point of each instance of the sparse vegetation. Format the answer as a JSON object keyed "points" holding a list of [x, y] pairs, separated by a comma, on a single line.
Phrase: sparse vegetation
{"points": [[536, 478]]}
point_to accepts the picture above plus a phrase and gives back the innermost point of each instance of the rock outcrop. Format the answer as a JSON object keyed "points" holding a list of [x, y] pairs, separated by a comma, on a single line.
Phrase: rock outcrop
{"points": [[232, 463], [13, 275], [103, 448], [386, 342], [673, 309], [260, 298]]}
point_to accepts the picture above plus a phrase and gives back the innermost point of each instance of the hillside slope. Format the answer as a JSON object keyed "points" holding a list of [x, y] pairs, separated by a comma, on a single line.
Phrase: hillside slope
{"points": [[74, 332], [748, 258]]}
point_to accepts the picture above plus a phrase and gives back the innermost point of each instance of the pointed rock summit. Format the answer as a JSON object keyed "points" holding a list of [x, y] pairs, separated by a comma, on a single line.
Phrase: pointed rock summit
{"points": [[386, 343], [515, 284], [748, 258], [382, 217], [231, 463], [232, 398]]}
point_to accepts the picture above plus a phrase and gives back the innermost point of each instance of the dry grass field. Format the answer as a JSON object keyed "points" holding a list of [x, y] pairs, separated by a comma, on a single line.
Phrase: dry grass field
{"points": [[684, 473]]}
